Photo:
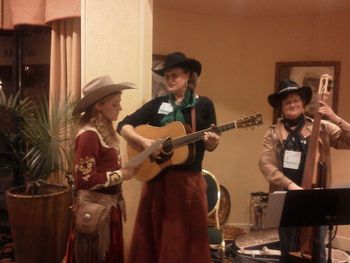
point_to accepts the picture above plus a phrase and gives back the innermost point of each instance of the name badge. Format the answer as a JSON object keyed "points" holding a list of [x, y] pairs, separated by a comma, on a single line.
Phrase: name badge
{"points": [[291, 159], [165, 108]]}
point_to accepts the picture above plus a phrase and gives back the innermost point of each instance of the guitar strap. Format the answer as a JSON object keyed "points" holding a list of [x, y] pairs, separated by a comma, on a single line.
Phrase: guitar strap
{"points": [[193, 118]]}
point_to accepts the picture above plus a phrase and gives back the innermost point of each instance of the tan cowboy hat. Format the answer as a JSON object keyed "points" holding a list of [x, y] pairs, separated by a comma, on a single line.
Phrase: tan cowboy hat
{"points": [[97, 89]]}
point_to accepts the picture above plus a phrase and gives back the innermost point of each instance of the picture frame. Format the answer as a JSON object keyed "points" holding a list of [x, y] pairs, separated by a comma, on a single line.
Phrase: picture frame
{"points": [[158, 83], [308, 73]]}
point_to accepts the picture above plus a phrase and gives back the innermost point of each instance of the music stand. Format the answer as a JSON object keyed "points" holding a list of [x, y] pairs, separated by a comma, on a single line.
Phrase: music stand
{"points": [[317, 207]]}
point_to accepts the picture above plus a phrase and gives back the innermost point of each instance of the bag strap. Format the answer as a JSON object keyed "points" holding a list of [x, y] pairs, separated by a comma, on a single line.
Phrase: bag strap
{"points": [[193, 118]]}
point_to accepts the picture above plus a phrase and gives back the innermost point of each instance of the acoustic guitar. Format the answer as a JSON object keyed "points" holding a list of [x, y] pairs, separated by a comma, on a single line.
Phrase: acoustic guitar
{"points": [[178, 146]]}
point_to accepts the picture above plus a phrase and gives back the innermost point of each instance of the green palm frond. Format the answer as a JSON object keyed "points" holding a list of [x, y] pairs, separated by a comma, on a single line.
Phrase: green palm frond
{"points": [[15, 104], [13, 111], [44, 132], [48, 136]]}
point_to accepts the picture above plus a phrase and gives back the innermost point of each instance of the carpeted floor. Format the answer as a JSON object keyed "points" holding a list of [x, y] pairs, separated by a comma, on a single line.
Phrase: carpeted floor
{"points": [[6, 249]]}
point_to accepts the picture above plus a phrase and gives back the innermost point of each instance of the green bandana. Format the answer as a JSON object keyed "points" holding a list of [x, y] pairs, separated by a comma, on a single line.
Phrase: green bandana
{"points": [[177, 114]]}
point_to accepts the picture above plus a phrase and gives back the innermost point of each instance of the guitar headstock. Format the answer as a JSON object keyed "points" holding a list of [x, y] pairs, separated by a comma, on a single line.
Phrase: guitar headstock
{"points": [[249, 121]]}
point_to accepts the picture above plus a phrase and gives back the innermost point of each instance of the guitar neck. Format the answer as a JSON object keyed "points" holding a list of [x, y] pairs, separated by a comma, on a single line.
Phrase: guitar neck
{"points": [[197, 136]]}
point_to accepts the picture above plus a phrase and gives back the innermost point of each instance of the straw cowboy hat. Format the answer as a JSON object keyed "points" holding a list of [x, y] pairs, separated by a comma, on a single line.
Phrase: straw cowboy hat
{"points": [[179, 59], [288, 86], [97, 89]]}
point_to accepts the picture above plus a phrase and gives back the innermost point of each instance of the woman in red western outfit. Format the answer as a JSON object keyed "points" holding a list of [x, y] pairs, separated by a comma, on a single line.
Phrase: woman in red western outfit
{"points": [[98, 168]]}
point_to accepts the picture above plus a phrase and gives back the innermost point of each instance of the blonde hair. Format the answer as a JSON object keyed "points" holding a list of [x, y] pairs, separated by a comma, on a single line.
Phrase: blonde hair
{"points": [[104, 126]]}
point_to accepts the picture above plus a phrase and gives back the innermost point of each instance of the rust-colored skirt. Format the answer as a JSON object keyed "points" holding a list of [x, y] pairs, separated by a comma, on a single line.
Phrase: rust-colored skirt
{"points": [[171, 224], [115, 253]]}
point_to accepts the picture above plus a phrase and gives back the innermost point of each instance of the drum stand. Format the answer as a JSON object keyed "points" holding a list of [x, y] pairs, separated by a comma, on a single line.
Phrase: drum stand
{"points": [[331, 223], [258, 203]]}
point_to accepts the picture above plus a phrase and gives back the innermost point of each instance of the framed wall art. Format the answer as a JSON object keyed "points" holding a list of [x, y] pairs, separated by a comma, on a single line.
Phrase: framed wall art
{"points": [[158, 83], [308, 73]]}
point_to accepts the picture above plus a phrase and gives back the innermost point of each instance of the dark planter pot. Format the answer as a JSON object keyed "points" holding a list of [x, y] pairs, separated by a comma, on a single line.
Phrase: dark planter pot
{"points": [[40, 224]]}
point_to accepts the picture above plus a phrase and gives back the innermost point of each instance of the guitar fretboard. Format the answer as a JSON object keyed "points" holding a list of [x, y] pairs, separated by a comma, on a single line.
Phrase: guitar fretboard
{"points": [[197, 136]]}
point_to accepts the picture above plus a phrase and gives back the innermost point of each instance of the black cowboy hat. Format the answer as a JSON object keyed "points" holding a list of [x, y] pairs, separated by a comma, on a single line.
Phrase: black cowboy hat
{"points": [[289, 86], [179, 59]]}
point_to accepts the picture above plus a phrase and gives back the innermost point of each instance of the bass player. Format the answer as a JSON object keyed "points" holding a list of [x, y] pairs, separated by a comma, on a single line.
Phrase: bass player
{"points": [[285, 148]]}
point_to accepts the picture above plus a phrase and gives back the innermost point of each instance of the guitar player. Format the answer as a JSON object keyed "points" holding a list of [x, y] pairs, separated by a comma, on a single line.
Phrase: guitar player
{"points": [[171, 224]]}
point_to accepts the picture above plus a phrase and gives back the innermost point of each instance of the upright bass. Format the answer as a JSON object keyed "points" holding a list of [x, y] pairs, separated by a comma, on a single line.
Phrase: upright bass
{"points": [[314, 175]]}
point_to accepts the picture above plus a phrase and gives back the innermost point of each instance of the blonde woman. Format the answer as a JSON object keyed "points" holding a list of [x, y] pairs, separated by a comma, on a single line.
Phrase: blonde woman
{"points": [[98, 169]]}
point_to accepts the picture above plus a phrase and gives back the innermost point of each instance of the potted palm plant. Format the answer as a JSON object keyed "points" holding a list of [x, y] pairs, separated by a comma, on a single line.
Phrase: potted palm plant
{"points": [[39, 212]]}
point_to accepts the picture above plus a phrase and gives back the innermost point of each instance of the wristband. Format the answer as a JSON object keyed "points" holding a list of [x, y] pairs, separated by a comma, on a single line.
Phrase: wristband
{"points": [[114, 178]]}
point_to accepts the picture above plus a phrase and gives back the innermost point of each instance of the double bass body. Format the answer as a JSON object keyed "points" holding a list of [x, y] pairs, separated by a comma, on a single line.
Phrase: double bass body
{"points": [[314, 176]]}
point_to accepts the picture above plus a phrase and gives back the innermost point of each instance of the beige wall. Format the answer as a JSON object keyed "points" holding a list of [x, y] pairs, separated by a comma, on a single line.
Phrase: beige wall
{"points": [[117, 40], [238, 56]]}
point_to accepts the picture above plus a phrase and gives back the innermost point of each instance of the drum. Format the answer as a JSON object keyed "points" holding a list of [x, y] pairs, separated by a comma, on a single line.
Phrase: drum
{"points": [[239, 258], [263, 245], [257, 246], [339, 256], [257, 238]]}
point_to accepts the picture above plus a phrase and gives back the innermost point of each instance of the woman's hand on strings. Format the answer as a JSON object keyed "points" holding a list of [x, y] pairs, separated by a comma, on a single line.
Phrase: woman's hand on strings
{"points": [[211, 138], [326, 110]]}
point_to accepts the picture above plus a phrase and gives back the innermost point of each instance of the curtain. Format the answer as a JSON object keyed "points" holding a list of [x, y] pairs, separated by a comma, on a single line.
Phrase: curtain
{"points": [[65, 59], [65, 77], [14, 13]]}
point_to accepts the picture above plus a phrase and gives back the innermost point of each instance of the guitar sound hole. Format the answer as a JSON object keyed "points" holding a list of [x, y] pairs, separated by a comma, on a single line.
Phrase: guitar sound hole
{"points": [[167, 147], [167, 152]]}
